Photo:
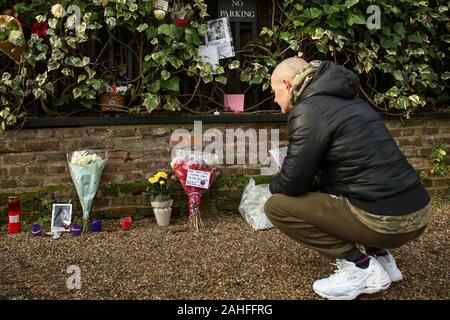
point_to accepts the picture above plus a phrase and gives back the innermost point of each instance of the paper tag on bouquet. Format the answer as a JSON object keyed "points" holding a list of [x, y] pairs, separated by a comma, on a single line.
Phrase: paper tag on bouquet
{"points": [[198, 178]]}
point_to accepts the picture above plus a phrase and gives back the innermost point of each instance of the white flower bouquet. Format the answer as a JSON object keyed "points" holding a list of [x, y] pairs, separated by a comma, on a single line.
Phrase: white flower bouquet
{"points": [[86, 168]]}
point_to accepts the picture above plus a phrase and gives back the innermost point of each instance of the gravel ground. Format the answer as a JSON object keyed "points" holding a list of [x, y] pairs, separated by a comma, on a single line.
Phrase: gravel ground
{"points": [[225, 260]]}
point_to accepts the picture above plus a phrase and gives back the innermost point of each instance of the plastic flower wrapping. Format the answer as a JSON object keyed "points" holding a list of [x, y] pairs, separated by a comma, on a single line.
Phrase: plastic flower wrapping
{"points": [[196, 174], [86, 168]]}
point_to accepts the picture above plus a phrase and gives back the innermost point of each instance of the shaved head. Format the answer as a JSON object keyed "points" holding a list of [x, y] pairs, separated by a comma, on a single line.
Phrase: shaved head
{"points": [[288, 69], [282, 78]]}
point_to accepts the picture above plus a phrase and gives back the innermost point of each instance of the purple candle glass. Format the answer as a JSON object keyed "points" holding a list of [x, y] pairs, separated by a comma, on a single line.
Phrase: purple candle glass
{"points": [[75, 230], [36, 230], [96, 225]]}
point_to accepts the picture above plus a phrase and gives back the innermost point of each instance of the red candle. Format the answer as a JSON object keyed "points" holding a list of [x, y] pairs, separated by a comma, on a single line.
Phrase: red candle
{"points": [[13, 215], [126, 223]]}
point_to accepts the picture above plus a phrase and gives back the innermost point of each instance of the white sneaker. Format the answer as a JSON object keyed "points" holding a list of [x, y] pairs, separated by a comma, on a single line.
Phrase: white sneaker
{"points": [[349, 281], [389, 265]]}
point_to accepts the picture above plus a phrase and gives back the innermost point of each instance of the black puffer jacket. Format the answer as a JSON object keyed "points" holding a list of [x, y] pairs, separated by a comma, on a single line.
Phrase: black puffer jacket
{"points": [[335, 133]]}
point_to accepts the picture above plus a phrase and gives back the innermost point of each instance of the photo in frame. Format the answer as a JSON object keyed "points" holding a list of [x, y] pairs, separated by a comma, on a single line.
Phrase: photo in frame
{"points": [[61, 217]]}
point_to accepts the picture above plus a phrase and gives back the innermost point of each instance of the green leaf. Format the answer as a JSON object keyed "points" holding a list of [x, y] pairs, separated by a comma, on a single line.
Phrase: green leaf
{"points": [[398, 75], [151, 102], [41, 78], [234, 64], [81, 78], [49, 86], [354, 18], [142, 27], [245, 76], [77, 92], [285, 36], [350, 3], [446, 75], [87, 103], [67, 72], [165, 75], [418, 38], [330, 9], [173, 84], [172, 103], [63, 100], [58, 54], [393, 92], [167, 29], [154, 86], [388, 43], [151, 32], [175, 62], [52, 23], [416, 100], [52, 65], [38, 93], [86, 61], [399, 29], [221, 80], [6, 76], [111, 21], [314, 12]]}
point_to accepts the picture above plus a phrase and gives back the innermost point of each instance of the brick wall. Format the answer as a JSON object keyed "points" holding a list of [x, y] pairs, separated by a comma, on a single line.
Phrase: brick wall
{"points": [[33, 164]]}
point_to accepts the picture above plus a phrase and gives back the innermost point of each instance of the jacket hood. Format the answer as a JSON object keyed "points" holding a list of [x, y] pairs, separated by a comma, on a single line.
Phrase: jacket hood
{"points": [[332, 80]]}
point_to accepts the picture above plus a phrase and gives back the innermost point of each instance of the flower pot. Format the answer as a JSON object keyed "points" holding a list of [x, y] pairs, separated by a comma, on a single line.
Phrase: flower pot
{"points": [[162, 211], [110, 102]]}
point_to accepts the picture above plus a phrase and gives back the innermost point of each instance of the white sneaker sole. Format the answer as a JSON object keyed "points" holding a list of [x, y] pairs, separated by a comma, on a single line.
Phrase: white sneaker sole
{"points": [[354, 294]]}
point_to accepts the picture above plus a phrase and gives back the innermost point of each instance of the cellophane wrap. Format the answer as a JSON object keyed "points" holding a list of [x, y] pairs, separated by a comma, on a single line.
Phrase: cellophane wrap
{"points": [[86, 168], [181, 163], [252, 205]]}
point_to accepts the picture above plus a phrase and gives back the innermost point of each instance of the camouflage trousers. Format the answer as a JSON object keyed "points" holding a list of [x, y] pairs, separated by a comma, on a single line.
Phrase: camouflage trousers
{"points": [[334, 227]]}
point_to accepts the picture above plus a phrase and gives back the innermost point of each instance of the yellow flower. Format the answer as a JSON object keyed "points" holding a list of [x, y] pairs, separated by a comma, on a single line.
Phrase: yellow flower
{"points": [[161, 182], [442, 152], [153, 180], [161, 174]]}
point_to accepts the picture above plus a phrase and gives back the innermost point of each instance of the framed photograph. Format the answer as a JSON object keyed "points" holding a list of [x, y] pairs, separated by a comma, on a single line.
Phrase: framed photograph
{"points": [[61, 217]]}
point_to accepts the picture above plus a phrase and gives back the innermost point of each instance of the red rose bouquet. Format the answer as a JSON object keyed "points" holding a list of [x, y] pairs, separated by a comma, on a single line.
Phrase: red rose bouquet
{"points": [[196, 176]]}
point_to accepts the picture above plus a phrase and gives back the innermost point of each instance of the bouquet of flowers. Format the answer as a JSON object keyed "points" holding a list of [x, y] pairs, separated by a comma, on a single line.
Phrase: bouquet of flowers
{"points": [[196, 174], [86, 169]]}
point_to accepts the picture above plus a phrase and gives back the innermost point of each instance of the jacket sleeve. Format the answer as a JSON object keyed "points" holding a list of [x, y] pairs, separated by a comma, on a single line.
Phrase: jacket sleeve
{"points": [[308, 139]]}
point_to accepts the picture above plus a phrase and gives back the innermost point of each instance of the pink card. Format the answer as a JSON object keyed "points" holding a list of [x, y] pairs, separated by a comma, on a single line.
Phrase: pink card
{"points": [[234, 102]]}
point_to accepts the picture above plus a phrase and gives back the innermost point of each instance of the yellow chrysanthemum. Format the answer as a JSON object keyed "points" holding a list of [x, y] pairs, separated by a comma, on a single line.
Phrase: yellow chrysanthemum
{"points": [[153, 180], [161, 174], [161, 182]]}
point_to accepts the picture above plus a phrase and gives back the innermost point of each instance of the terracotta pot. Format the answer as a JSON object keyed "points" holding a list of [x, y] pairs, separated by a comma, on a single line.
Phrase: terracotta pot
{"points": [[162, 211]]}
